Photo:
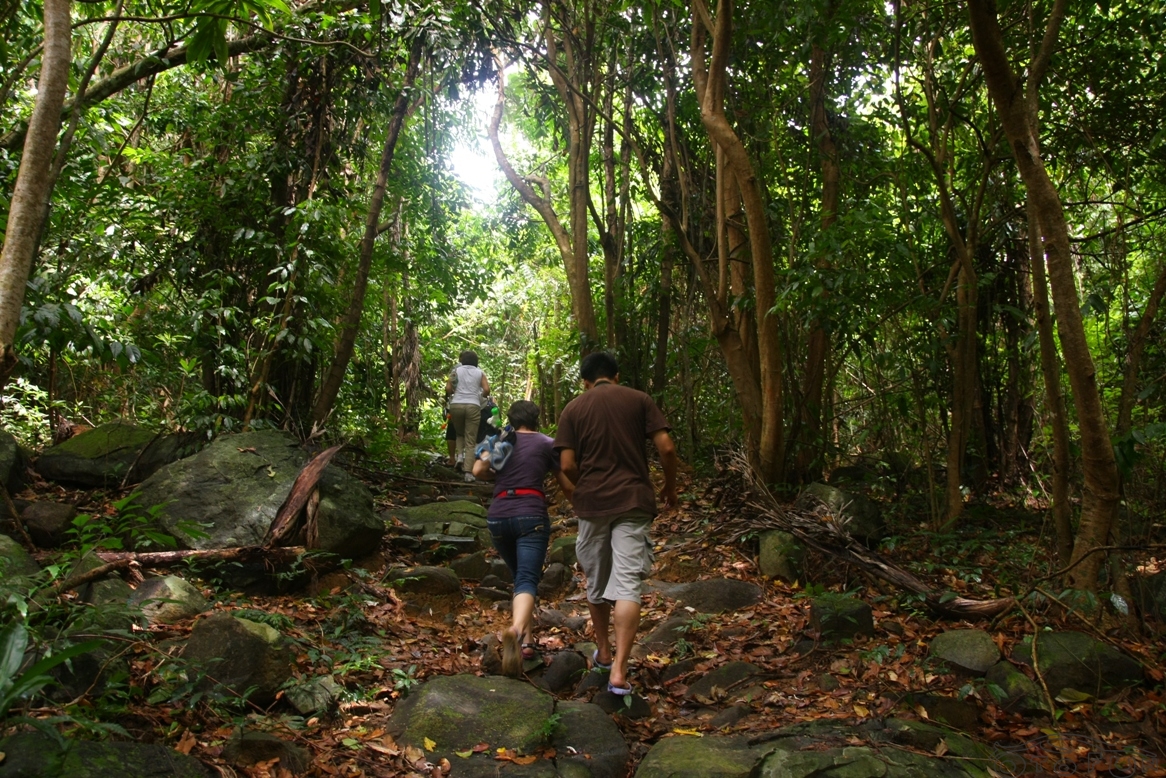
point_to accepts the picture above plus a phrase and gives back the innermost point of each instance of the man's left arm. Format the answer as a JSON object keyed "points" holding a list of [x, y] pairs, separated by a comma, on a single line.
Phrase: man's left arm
{"points": [[669, 460]]}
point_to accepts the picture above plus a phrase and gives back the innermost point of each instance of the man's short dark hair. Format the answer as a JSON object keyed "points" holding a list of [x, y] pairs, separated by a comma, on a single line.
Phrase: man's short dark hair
{"points": [[599, 364], [468, 357], [523, 413]]}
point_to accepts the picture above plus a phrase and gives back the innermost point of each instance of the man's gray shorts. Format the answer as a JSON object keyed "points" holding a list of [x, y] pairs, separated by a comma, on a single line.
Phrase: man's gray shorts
{"points": [[616, 555]]}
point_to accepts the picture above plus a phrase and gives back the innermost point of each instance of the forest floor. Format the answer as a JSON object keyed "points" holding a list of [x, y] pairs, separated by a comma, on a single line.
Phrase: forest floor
{"points": [[356, 628]]}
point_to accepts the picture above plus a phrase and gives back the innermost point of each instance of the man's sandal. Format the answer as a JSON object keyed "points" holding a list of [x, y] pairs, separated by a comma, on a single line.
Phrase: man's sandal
{"points": [[598, 666], [619, 691]]}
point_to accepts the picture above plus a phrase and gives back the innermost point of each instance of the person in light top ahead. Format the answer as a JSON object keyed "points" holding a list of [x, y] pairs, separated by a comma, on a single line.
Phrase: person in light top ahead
{"points": [[518, 521], [601, 443], [468, 385]]}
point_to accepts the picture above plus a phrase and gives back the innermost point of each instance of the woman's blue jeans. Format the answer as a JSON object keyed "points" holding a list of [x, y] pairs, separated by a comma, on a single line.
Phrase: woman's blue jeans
{"points": [[522, 543]]}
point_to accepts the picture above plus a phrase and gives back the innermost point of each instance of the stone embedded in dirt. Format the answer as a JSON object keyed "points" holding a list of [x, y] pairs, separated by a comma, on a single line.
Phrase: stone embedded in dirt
{"points": [[720, 684], [1074, 660], [424, 580], [247, 749], [462, 511], [168, 599], [456, 712], [13, 462], [490, 594], [717, 595], [499, 569], [34, 755], [105, 455], [780, 555], [588, 743], [556, 578], [491, 655], [237, 654], [828, 683], [474, 567], [703, 757], [48, 522], [667, 633], [677, 669], [562, 549], [860, 516], [961, 714], [1021, 694], [836, 617], [317, 695], [564, 672], [968, 650], [436, 548], [630, 706], [729, 716], [14, 560], [549, 617]]}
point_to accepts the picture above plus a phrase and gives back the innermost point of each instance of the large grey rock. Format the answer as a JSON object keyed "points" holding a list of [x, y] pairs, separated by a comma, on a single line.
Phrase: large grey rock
{"points": [[968, 650], [780, 555], [14, 560], [439, 513], [555, 578], [316, 695], [111, 453], [729, 676], [704, 757], [1074, 660], [168, 599], [717, 595], [33, 755], [562, 549], [13, 463], [424, 580], [587, 739], [860, 516], [1016, 692], [237, 654], [48, 522], [474, 567], [838, 617], [235, 486], [456, 712]]}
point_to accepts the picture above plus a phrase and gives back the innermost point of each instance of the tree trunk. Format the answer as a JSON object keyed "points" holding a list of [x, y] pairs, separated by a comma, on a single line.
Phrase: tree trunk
{"points": [[709, 79], [26, 211], [664, 318], [346, 340], [1133, 359], [1101, 493]]}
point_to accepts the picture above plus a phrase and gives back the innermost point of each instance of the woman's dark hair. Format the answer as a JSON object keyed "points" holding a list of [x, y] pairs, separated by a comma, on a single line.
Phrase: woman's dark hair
{"points": [[523, 413], [468, 357], [598, 364]]}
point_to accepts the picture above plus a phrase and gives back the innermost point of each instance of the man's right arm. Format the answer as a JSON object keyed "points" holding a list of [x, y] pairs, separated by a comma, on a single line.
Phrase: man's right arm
{"points": [[669, 460]]}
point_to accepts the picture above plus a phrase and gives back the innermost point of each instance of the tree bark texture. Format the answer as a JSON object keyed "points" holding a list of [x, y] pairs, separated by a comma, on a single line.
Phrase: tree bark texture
{"points": [[1101, 492], [710, 78], [26, 212], [346, 341]]}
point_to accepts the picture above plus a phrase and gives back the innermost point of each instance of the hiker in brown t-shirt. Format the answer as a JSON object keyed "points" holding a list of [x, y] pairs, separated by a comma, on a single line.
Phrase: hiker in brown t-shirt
{"points": [[601, 449]]}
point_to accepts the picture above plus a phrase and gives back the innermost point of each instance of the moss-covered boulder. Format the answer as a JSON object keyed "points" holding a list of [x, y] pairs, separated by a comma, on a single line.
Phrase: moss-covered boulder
{"points": [[780, 555], [588, 743], [13, 462], [965, 650], [112, 453], [859, 515], [1074, 660], [562, 550], [230, 492], [238, 655], [424, 580], [838, 617], [717, 595], [704, 757], [14, 560], [457, 712], [435, 517], [714, 686], [33, 755], [168, 599], [1015, 691], [48, 522]]}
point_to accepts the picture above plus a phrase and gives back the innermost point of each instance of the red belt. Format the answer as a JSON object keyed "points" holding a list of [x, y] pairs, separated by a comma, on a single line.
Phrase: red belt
{"points": [[521, 493]]}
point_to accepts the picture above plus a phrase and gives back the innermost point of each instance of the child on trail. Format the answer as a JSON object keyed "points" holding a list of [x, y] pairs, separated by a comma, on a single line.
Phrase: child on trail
{"points": [[519, 524], [468, 385]]}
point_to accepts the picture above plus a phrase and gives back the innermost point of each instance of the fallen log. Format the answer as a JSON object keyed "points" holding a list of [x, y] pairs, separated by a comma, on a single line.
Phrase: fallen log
{"points": [[825, 532], [281, 555]]}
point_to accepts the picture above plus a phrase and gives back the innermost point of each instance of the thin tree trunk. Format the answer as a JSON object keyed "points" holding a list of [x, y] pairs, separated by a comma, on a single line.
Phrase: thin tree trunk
{"points": [[1133, 360], [26, 212], [664, 318], [346, 341], [1101, 492]]}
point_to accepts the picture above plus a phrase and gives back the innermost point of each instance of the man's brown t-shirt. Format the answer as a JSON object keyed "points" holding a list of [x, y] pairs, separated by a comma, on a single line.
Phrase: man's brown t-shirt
{"points": [[607, 427]]}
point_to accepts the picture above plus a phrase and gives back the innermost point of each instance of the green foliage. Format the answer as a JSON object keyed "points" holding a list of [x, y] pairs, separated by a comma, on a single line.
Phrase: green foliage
{"points": [[17, 681]]}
